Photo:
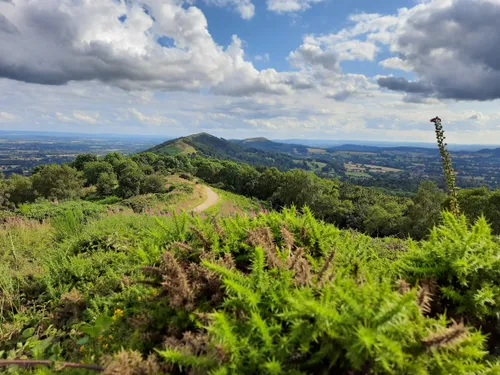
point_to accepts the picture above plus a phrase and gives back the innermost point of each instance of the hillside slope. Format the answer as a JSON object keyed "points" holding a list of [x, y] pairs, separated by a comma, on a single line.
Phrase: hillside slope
{"points": [[268, 145], [208, 145]]}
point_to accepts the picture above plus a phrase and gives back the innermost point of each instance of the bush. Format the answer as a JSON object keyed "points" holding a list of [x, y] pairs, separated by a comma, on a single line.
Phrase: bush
{"points": [[129, 182], [140, 203], [463, 267], [106, 184], [153, 184], [58, 182], [47, 210], [93, 170], [270, 326]]}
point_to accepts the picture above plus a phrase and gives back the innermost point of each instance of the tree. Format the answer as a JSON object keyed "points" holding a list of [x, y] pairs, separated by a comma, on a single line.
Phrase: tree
{"points": [[19, 189], [113, 158], [58, 182], [153, 184], [106, 183], [424, 212], [82, 159], [92, 170], [121, 165], [130, 181]]}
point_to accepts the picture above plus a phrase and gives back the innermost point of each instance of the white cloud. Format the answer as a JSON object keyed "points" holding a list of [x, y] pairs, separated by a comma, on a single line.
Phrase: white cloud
{"points": [[396, 63], [290, 6], [151, 119], [54, 42], [264, 57], [62, 117], [7, 117], [85, 117]]}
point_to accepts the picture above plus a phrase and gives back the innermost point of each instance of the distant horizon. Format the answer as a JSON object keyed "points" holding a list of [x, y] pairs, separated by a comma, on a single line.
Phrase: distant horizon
{"points": [[309, 141]]}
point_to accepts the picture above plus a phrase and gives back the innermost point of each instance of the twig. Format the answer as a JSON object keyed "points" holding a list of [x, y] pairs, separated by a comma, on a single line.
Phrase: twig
{"points": [[29, 363]]}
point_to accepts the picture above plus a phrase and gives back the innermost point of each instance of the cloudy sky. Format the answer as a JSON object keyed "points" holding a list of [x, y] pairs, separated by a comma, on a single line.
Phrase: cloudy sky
{"points": [[318, 69]]}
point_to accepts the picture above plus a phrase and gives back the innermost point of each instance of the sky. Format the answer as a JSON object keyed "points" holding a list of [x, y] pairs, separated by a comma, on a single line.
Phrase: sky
{"points": [[311, 69]]}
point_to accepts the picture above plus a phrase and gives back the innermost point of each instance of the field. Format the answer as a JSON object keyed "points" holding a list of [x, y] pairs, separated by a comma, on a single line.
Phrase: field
{"points": [[362, 168]]}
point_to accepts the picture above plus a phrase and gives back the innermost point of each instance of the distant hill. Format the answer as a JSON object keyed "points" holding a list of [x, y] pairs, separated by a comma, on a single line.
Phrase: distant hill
{"points": [[265, 144], [257, 151], [202, 143]]}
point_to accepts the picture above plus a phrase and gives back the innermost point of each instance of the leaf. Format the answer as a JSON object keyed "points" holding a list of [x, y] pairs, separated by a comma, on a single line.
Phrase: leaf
{"points": [[28, 332], [91, 331], [104, 322], [83, 340]]}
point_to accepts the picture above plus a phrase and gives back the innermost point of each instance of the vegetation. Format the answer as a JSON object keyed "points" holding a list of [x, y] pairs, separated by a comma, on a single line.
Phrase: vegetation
{"points": [[102, 271]]}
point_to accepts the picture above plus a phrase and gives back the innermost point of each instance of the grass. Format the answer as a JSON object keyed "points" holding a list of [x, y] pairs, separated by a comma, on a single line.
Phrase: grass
{"points": [[232, 202]]}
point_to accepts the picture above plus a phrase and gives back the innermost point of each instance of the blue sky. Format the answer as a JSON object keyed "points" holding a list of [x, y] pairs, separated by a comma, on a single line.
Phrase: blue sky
{"points": [[358, 69]]}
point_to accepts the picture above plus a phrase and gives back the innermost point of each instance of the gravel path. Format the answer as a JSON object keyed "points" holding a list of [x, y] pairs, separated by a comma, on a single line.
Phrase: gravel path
{"points": [[212, 198]]}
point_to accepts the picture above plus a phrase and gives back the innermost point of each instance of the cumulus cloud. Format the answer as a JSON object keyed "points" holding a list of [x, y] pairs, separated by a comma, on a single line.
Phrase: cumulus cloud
{"points": [[396, 63], [452, 46], [54, 42], [290, 6], [404, 85], [310, 55]]}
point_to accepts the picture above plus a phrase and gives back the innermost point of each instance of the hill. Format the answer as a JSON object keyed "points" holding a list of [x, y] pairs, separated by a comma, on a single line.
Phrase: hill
{"points": [[253, 151], [268, 145]]}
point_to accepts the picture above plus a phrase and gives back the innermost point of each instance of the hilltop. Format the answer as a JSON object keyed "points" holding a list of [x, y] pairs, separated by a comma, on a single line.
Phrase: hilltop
{"points": [[204, 144]]}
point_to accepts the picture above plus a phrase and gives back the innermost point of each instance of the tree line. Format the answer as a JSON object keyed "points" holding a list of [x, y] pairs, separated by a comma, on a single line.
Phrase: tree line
{"points": [[366, 209]]}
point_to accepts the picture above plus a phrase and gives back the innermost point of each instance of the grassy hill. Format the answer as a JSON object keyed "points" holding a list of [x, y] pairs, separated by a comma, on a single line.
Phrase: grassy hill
{"points": [[207, 145], [268, 145]]}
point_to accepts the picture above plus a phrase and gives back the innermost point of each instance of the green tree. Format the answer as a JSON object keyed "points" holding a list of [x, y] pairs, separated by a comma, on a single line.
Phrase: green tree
{"points": [[19, 189], [153, 184], [58, 182], [106, 184], [130, 181], [82, 159], [92, 170], [113, 158], [424, 211]]}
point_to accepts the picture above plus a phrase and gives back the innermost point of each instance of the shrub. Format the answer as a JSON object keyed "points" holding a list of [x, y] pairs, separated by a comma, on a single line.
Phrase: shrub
{"points": [[129, 182], [92, 170], [106, 184], [58, 182], [268, 326], [153, 184]]}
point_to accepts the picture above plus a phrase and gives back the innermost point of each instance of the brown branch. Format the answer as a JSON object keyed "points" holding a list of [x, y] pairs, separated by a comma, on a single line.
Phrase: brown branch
{"points": [[29, 363]]}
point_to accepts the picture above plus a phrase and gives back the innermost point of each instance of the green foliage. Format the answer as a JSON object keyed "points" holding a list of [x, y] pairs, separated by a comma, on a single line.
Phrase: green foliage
{"points": [[129, 182], [58, 182], [464, 265], [267, 326], [48, 210], [81, 160], [153, 184], [92, 170], [106, 184], [15, 190], [425, 210]]}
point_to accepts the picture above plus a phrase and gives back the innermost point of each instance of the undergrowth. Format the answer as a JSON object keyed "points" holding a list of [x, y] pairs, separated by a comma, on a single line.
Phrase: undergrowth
{"points": [[253, 292]]}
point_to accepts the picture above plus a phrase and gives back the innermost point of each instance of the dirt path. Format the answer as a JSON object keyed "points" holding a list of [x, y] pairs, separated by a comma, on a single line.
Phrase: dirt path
{"points": [[212, 198]]}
